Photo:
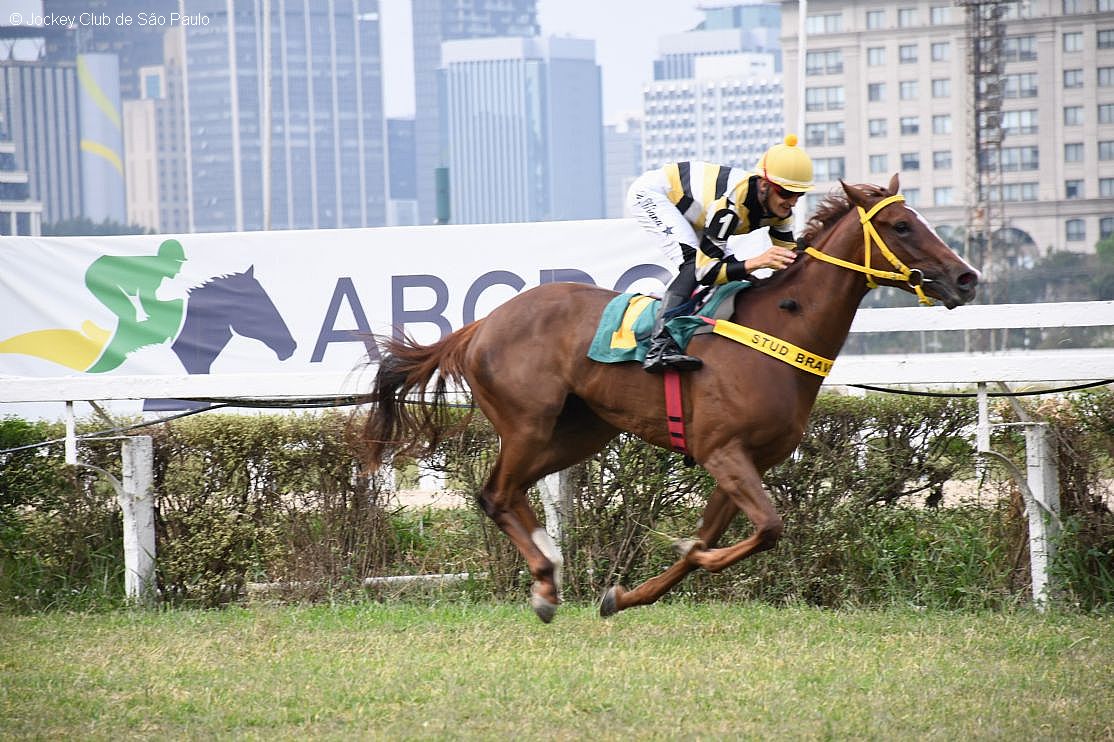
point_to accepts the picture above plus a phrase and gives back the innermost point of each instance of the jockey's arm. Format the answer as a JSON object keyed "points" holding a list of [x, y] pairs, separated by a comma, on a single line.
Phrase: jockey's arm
{"points": [[116, 298], [783, 250], [782, 236], [714, 266], [712, 263]]}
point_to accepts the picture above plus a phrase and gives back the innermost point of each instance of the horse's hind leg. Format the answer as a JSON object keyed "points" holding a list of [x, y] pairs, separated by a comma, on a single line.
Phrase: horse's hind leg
{"points": [[525, 456], [503, 498], [718, 514]]}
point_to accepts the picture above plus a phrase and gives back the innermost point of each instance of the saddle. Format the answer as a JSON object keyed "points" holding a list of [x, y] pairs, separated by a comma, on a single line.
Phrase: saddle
{"points": [[623, 333]]}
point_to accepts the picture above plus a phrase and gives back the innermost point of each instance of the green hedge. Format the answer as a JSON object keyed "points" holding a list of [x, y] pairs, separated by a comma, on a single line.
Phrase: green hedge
{"points": [[61, 539], [283, 499]]}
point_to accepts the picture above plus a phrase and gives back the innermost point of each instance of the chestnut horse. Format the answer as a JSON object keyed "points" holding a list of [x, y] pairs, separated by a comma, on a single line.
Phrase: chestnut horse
{"points": [[552, 406]]}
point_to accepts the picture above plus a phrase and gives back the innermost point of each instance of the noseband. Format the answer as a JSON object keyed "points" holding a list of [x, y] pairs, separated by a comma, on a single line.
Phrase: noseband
{"points": [[911, 276]]}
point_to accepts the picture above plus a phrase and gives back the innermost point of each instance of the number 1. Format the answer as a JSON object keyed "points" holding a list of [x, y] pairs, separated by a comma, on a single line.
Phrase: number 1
{"points": [[726, 222]]}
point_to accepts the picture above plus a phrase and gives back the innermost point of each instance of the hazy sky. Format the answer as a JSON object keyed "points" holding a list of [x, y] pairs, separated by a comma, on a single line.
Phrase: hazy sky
{"points": [[626, 34]]}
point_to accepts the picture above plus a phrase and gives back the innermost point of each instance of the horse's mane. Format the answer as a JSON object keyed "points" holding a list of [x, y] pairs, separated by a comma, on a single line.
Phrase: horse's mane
{"points": [[218, 281], [831, 209]]}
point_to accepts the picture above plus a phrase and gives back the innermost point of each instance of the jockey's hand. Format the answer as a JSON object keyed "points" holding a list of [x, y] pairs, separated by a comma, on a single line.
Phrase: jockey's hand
{"points": [[775, 258]]}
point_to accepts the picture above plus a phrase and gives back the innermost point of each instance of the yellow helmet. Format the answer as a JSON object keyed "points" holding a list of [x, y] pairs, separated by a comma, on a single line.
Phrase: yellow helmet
{"points": [[787, 165]]}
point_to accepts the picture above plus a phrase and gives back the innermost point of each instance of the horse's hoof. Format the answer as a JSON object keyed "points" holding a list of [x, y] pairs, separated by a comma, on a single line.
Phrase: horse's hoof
{"points": [[544, 609], [609, 602], [685, 545]]}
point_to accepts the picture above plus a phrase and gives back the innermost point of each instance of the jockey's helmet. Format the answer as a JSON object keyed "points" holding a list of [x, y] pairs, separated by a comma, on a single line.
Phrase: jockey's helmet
{"points": [[787, 165], [172, 250]]}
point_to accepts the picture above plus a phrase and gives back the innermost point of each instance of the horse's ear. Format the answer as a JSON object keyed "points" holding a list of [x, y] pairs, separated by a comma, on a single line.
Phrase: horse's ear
{"points": [[854, 194], [250, 272], [895, 185]]}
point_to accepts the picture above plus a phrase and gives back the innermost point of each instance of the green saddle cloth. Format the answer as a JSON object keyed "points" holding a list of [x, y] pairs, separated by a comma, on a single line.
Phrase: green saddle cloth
{"points": [[625, 336]]}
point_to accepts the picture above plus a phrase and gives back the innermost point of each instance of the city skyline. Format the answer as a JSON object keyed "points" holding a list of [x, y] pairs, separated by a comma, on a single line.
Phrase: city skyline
{"points": [[887, 89], [626, 32]]}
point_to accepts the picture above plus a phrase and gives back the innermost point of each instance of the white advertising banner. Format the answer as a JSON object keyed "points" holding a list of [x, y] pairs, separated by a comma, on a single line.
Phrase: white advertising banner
{"points": [[282, 302]]}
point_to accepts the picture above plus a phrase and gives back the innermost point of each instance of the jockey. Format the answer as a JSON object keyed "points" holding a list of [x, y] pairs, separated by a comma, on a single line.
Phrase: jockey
{"points": [[693, 207]]}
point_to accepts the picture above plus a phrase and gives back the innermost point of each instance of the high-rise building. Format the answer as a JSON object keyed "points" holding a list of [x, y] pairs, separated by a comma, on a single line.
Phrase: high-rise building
{"points": [[622, 145], [402, 208], [134, 44], [38, 103], [726, 30], [19, 214], [200, 128], [127, 153], [435, 21], [717, 90], [889, 89], [155, 147], [100, 122], [525, 123], [326, 131], [729, 112]]}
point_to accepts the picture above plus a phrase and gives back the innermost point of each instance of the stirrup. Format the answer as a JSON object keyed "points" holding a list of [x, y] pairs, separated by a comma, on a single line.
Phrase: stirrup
{"points": [[670, 357]]}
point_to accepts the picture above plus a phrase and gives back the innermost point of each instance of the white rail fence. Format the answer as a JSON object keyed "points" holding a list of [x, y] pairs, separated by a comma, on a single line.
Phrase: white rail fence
{"points": [[1030, 368]]}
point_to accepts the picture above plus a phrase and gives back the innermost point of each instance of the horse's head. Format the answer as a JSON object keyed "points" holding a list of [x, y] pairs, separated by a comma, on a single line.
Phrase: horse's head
{"points": [[257, 317], [921, 262], [239, 303]]}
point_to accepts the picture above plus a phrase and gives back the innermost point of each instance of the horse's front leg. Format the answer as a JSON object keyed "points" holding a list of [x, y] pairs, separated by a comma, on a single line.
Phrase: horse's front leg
{"points": [[736, 474], [719, 511]]}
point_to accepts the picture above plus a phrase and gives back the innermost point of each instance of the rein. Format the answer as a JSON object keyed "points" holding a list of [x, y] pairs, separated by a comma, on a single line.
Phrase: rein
{"points": [[913, 277]]}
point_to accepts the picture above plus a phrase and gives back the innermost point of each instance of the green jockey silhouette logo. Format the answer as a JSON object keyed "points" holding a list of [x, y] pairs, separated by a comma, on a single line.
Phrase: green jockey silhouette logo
{"points": [[199, 326]]}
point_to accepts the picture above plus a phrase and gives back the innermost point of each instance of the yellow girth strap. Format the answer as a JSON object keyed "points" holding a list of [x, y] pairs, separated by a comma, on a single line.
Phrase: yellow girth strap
{"points": [[871, 234], [774, 347]]}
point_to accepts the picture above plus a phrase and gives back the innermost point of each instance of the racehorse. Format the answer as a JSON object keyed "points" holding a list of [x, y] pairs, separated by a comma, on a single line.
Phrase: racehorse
{"points": [[223, 305], [745, 411]]}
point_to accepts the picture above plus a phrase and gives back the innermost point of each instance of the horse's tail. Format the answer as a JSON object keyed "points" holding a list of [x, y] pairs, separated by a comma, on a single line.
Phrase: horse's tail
{"points": [[413, 427]]}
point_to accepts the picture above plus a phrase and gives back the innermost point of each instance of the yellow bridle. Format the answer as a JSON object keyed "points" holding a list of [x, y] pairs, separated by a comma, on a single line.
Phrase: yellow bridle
{"points": [[912, 277]]}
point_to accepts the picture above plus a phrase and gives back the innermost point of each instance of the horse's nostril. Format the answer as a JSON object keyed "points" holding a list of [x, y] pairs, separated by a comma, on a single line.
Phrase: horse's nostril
{"points": [[968, 280]]}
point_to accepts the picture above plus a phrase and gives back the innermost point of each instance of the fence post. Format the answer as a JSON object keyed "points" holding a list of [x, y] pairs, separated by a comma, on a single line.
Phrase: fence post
{"points": [[137, 504], [982, 431], [556, 496], [429, 479], [1043, 508], [70, 446]]}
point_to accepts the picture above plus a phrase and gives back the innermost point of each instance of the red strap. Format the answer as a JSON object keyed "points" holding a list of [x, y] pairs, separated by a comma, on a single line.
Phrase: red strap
{"points": [[675, 411]]}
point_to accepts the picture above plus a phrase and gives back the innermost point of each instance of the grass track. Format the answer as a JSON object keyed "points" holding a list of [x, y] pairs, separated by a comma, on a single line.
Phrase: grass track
{"points": [[461, 671]]}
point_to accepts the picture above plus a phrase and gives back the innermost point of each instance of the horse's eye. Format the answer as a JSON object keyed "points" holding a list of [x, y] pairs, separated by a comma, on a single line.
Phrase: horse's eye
{"points": [[902, 227]]}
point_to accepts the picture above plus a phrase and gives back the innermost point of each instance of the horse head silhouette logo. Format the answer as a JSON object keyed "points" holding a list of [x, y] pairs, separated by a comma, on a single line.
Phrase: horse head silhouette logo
{"points": [[224, 305], [200, 325]]}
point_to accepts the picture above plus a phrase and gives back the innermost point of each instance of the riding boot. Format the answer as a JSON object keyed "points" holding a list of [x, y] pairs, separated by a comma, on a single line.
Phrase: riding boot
{"points": [[664, 353]]}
